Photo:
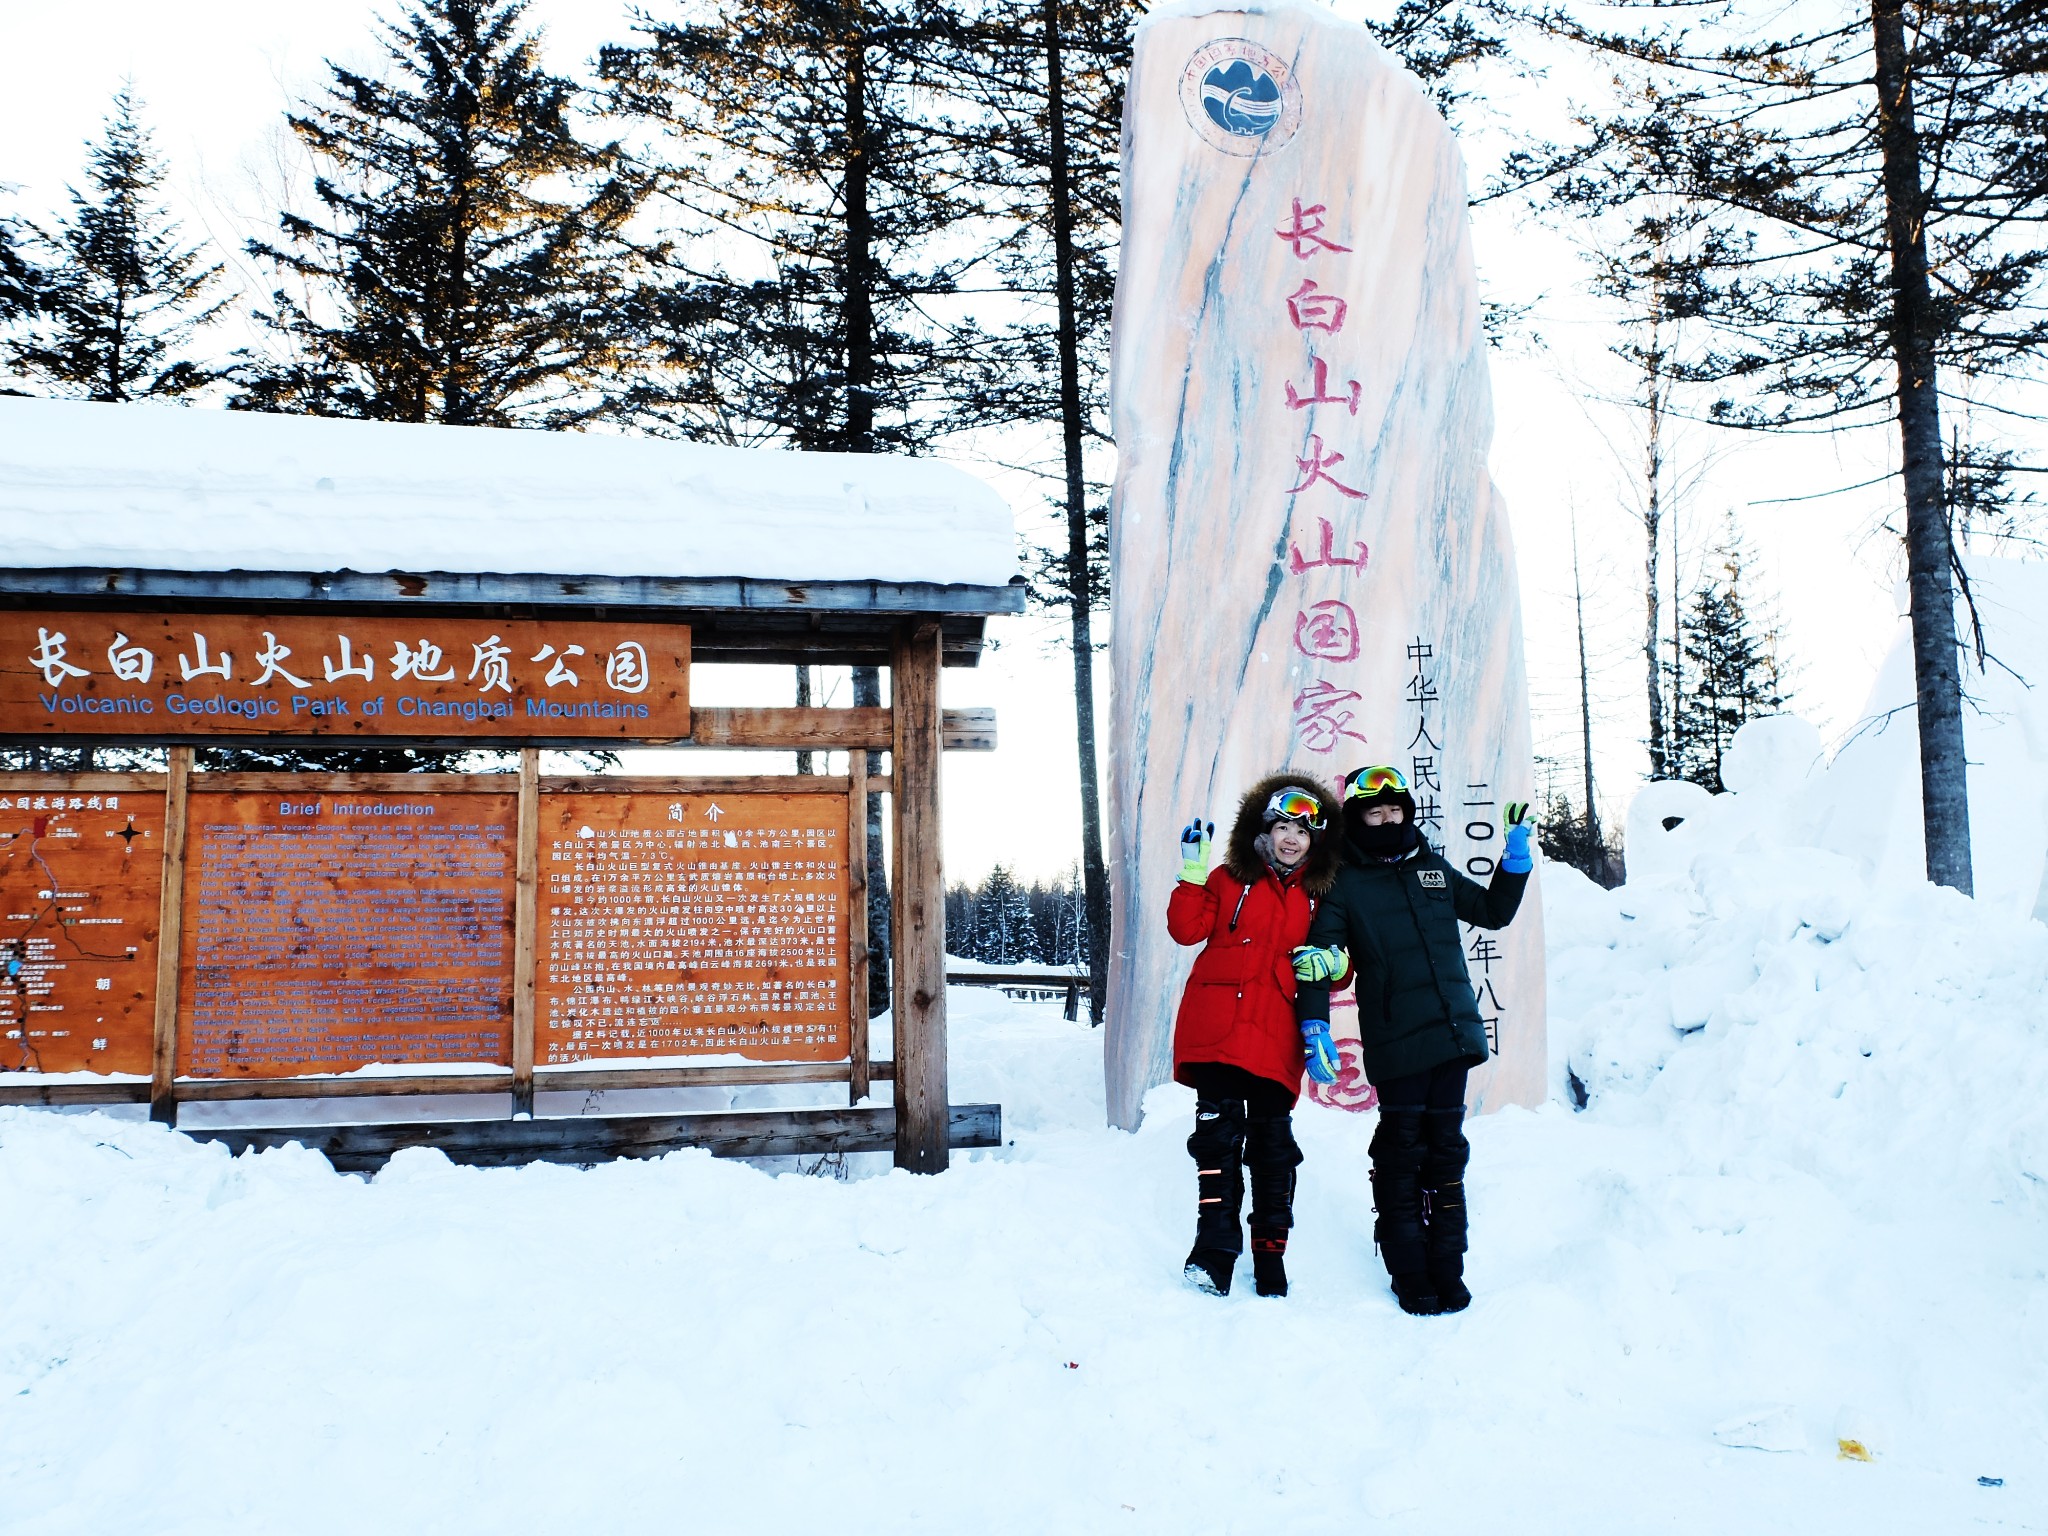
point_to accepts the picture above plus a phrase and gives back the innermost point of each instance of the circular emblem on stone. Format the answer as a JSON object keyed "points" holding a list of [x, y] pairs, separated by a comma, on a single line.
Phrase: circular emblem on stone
{"points": [[1239, 97]]}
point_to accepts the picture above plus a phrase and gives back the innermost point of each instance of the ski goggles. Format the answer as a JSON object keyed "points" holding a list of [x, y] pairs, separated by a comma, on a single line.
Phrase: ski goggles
{"points": [[1296, 805], [1373, 781]]}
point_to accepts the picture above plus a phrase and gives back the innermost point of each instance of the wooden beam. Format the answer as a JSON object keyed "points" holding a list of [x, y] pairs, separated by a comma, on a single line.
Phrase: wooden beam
{"points": [[170, 940], [358, 783], [1050, 980], [38, 1095], [695, 784], [80, 783], [20, 1088], [830, 730], [525, 929], [858, 1079], [593, 1139], [918, 933]]}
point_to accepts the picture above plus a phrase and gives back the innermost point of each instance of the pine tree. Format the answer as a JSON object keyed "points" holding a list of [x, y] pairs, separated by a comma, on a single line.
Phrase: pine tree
{"points": [[1003, 920], [18, 277], [1043, 84], [120, 298], [799, 149], [801, 155], [1732, 673], [467, 262], [1869, 193], [1568, 836]]}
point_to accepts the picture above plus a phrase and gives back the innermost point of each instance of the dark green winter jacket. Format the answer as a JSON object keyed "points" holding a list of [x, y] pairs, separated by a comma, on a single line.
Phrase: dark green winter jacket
{"points": [[1416, 1008]]}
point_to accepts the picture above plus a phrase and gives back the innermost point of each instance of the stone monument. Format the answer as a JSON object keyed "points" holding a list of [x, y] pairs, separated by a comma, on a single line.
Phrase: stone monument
{"points": [[1311, 565]]}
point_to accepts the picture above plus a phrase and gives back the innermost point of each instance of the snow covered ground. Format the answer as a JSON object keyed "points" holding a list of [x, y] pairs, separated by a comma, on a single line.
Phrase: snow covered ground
{"points": [[1818, 1213]]}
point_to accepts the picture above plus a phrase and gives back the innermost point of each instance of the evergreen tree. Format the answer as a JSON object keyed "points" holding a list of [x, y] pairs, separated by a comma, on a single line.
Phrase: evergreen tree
{"points": [[120, 298], [467, 261], [1869, 195], [17, 273], [1732, 674], [1043, 83], [800, 148], [1568, 836], [802, 153], [1003, 920]]}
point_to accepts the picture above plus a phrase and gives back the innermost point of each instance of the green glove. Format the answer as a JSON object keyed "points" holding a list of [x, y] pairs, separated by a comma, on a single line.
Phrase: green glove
{"points": [[1320, 964], [1194, 851]]}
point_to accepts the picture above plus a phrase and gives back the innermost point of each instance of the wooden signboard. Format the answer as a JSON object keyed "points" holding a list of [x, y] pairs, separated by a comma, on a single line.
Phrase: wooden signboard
{"points": [[692, 925], [330, 930], [164, 676], [81, 875]]}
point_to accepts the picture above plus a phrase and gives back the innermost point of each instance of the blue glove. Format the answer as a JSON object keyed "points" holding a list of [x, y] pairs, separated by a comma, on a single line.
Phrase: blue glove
{"points": [[1194, 850], [1320, 1050], [1515, 859]]}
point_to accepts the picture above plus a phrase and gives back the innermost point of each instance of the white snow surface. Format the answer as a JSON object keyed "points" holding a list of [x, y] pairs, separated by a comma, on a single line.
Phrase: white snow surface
{"points": [[1807, 1201], [167, 488]]}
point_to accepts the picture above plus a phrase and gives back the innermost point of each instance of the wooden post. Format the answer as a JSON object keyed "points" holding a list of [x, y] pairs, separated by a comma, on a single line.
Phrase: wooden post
{"points": [[857, 921], [170, 942], [525, 926], [919, 993]]}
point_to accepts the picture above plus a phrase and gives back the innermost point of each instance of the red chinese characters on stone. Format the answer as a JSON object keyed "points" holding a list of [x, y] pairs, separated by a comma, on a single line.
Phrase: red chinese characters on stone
{"points": [[1328, 631], [1310, 309], [1320, 391], [1297, 562], [1304, 233], [1317, 466], [1323, 718]]}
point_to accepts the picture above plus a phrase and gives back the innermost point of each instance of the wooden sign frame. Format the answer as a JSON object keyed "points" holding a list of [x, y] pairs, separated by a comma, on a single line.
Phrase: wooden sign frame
{"points": [[922, 1126]]}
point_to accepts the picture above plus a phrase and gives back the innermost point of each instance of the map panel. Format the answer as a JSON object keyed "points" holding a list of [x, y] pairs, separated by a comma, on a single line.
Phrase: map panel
{"points": [[329, 931], [690, 925], [80, 882]]}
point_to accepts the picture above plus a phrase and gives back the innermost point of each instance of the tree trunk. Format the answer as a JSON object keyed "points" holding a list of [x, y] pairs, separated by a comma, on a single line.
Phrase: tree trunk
{"points": [[1593, 838], [867, 694], [860, 308], [1653, 511], [1080, 595], [803, 701], [1944, 785], [859, 319], [1675, 738]]}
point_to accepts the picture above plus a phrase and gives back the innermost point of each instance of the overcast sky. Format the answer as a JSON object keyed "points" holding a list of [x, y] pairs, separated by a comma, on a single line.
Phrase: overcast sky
{"points": [[215, 77]]}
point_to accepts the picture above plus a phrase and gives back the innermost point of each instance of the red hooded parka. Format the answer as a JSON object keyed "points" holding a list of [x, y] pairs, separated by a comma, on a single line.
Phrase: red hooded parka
{"points": [[1238, 1006]]}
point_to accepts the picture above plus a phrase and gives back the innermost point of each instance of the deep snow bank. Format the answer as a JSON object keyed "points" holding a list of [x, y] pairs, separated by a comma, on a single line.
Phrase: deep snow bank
{"points": [[1817, 1211]]}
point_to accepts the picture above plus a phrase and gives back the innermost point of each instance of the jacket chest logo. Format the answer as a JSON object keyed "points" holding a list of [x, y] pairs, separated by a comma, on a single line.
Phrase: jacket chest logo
{"points": [[1431, 879]]}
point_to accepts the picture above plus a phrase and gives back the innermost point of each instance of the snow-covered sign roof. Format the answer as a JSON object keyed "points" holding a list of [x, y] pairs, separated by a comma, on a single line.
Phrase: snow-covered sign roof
{"points": [[156, 487]]}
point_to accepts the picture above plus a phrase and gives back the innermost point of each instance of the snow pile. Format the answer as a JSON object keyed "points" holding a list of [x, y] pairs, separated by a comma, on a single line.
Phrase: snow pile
{"points": [[1804, 1204], [164, 488], [1778, 1000], [1869, 805]]}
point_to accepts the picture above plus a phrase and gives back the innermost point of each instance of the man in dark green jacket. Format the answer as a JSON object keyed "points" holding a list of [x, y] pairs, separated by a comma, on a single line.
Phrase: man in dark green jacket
{"points": [[1391, 921]]}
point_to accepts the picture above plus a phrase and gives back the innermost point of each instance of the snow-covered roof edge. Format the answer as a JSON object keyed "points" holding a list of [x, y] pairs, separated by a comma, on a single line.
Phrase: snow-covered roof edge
{"points": [[158, 487]]}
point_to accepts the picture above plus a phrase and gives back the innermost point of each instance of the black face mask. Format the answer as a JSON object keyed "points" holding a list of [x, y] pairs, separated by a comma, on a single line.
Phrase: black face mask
{"points": [[1388, 840]]}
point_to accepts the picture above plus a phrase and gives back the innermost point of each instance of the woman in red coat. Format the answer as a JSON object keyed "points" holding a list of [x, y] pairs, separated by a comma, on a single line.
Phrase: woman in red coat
{"points": [[1235, 1040]]}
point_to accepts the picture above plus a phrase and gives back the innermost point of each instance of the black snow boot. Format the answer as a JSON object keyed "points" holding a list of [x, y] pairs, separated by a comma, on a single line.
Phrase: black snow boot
{"points": [[1445, 1154], [1217, 1147], [1271, 1155], [1397, 1156]]}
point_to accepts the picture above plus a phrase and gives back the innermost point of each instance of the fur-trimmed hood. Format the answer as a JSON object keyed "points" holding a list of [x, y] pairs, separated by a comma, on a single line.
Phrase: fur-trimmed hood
{"points": [[1319, 869]]}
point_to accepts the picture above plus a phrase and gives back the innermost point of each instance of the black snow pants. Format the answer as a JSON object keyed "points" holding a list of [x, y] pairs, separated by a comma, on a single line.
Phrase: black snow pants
{"points": [[1419, 1153], [1244, 1123]]}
